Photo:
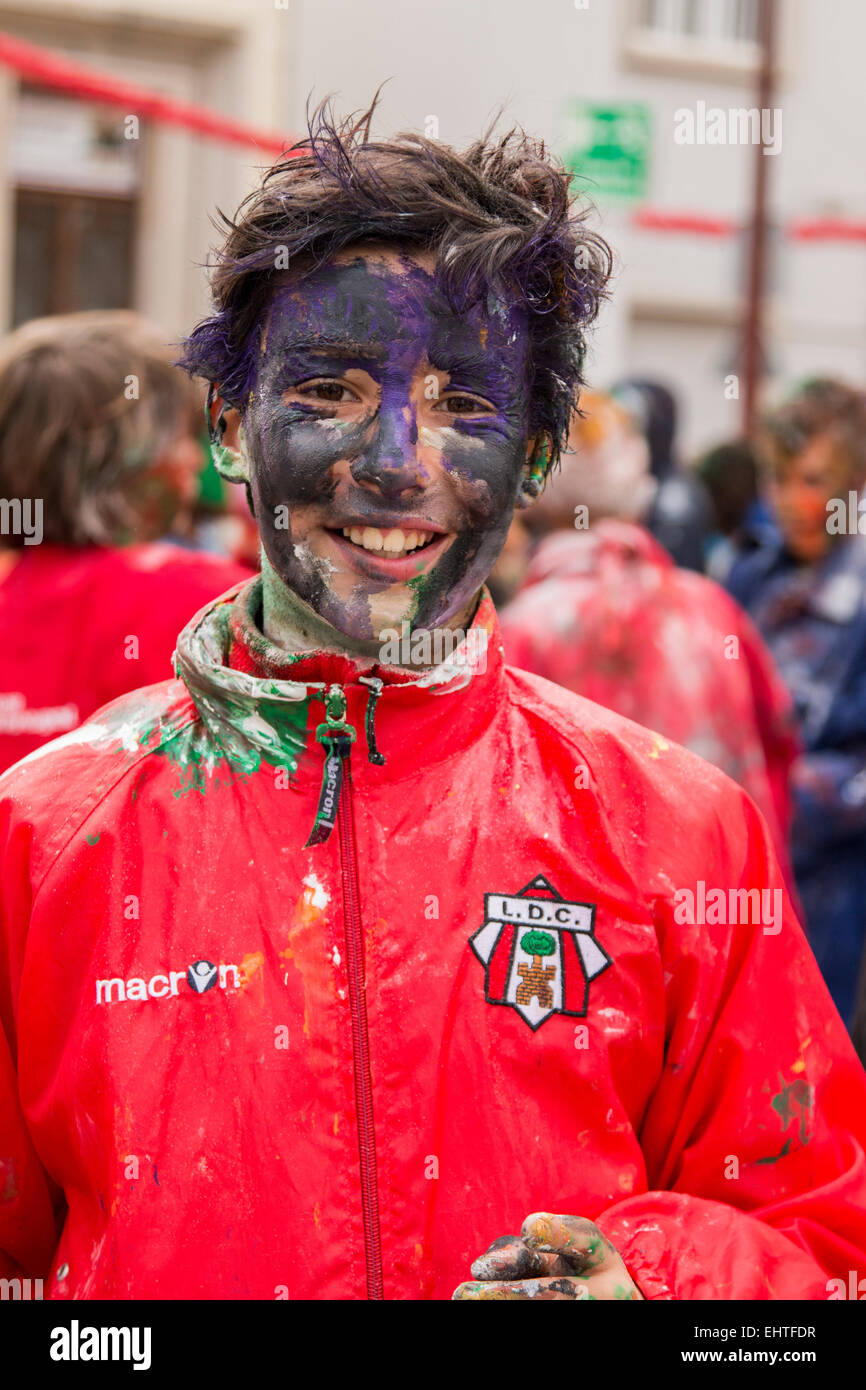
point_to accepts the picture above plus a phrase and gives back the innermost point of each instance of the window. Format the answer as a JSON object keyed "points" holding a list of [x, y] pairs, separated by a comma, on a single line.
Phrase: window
{"points": [[716, 39], [728, 20], [71, 252], [76, 180]]}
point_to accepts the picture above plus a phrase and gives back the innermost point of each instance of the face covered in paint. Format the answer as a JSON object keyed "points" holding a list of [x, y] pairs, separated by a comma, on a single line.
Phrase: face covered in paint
{"points": [[386, 440]]}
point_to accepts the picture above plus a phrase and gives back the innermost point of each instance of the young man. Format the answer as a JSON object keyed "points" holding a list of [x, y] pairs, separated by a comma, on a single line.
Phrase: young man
{"points": [[321, 973], [806, 591], [98, 457]]}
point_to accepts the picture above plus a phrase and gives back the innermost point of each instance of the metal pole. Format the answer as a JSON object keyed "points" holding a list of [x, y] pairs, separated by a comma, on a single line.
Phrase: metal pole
{"points": [[753, 326]]}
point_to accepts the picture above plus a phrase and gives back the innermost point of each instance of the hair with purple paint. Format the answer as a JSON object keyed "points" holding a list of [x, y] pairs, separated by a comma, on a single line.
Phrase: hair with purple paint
{"points": [[499, 216]]}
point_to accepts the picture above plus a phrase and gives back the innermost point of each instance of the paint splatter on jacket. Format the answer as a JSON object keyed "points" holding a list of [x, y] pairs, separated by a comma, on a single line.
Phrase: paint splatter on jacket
{"points": [[79, 627], [607, 614], [813, 618], [250, 1069]]}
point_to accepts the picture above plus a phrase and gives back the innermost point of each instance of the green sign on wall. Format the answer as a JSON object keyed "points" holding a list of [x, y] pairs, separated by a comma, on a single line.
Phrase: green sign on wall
{"points": [[607, 148]]}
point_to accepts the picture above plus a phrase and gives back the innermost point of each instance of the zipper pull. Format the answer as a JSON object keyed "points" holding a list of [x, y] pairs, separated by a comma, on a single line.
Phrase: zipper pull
{"points": [[374, 690], [336, 737]]}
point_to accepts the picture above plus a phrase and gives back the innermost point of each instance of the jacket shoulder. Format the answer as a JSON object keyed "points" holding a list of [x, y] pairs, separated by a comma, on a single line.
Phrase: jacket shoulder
{"points": [[54, 789], [649, 790]]}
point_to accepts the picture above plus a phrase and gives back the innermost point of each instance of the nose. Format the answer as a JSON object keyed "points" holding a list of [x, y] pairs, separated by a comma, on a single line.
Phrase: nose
{"points": [[390, 462]]}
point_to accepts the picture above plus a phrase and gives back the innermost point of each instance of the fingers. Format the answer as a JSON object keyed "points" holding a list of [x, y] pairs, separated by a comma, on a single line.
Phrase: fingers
{"points": [[510, 1258], [554, 1257], [579, 1243], [543, 1290]]}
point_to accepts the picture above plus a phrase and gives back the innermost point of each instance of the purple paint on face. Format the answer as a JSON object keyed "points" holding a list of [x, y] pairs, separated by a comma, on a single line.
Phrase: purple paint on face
{"points": [[380, 412]]}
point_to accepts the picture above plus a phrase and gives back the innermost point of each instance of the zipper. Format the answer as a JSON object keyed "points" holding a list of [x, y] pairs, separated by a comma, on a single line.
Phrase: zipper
{"points": [[336, 805], [360, 1033]]}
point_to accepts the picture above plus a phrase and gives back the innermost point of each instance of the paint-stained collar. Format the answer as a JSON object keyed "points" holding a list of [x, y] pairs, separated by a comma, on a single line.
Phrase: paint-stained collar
{"points": [[251, 694]]}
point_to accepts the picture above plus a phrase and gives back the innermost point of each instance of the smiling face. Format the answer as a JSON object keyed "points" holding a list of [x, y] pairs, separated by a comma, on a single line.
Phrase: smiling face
{"points": [[386, 439]]}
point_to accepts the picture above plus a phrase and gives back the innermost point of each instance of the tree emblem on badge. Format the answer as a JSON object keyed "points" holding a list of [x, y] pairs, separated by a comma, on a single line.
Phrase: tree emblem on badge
{"points": [[539, 952]]}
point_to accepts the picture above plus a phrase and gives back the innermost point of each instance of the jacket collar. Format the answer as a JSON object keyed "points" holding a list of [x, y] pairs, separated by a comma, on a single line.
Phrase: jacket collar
{"points": [[261, 704]]}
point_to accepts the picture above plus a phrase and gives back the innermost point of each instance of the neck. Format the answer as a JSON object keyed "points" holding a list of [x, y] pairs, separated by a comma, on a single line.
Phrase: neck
{"points": [[293, 626]]}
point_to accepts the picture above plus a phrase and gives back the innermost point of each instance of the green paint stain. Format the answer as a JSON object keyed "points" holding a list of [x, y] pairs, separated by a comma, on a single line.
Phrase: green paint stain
{"points": [[774, 1158], [794, 1098], [93, 839], [238, 739]]}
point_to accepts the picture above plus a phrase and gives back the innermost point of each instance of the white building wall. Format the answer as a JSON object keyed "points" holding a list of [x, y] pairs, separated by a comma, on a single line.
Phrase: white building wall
{"points": [[676, 306]]}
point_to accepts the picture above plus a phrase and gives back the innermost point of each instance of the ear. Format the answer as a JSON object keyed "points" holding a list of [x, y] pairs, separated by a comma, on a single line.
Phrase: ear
{"points": [[224, 428], [534, 472]]}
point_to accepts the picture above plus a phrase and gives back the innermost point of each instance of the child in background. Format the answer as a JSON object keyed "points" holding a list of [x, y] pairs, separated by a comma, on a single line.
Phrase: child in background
{"points": [[98, 458]]}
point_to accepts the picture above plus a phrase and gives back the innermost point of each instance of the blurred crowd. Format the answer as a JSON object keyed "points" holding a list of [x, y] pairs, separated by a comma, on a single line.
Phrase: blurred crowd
{"points": [[720, 601]]}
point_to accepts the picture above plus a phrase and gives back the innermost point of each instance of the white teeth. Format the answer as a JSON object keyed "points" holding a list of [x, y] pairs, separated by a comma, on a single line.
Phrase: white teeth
{"points": [[372, 539], [393, 542]]}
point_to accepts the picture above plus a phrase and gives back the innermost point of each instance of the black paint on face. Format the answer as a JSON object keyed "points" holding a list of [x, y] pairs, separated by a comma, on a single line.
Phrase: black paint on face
{"points": [[377, 406]]}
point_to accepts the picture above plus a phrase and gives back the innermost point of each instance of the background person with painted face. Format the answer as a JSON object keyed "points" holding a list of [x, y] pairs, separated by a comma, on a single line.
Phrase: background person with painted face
{"points": [[98, 443], [370, 959], [807, 594]]}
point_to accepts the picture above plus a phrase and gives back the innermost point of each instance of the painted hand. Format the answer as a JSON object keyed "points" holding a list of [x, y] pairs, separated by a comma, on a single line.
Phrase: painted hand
{"points": [[554, 1257]]}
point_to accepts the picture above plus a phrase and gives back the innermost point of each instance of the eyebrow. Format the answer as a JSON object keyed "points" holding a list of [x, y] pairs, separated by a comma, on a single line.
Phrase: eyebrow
{"points": [[328, 346], [470, 367]]}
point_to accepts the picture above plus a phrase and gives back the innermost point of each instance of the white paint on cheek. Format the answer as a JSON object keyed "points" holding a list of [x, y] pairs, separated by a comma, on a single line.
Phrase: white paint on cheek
{"points": [[304, 554], [439, 439]]}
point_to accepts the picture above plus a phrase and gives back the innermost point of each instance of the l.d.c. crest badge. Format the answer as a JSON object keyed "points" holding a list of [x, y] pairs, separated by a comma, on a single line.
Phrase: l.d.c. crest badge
{"points": [[539, 952]]}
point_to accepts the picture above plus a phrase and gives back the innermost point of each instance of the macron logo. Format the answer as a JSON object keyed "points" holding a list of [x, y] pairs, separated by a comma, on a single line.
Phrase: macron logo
{"points": [[76, 1343], [201, 976]]}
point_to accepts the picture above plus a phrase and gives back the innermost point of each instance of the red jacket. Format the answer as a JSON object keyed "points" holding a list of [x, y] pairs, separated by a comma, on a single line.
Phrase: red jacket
{"points": [[608, 614], [259, 1070], [78, 627]]}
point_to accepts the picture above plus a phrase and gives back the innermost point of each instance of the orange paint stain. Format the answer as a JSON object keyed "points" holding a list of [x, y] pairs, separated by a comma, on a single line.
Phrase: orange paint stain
{"points": [[800, 1064], [252, 962]]}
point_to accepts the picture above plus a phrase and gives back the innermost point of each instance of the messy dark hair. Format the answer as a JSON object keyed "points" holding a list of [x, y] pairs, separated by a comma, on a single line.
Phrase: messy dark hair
{"points": [[820, 406], [499, 217], [88, 403]]}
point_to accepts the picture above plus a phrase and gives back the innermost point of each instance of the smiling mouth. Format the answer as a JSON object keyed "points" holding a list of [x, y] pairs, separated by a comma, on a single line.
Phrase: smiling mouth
{"points": [[391, 544], [389, 554]]}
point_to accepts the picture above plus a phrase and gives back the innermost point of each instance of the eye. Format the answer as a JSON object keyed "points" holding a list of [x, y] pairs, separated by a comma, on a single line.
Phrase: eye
{"points": [[325, 389], [459, 403]]}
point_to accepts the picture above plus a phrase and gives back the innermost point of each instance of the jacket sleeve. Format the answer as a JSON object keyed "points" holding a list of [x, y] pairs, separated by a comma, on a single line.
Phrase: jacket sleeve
{"points": [[829, 790], [774, 713], [754, 1136], [30, 1203]]}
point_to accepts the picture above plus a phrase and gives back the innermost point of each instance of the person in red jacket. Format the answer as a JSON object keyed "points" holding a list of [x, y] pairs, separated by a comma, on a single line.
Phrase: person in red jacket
{"points": [[604, 611], [327, 963], [98, 457]]}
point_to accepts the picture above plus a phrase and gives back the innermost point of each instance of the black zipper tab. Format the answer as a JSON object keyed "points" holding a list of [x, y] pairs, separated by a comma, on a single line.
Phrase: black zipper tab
{"points": [[336, 737]]}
